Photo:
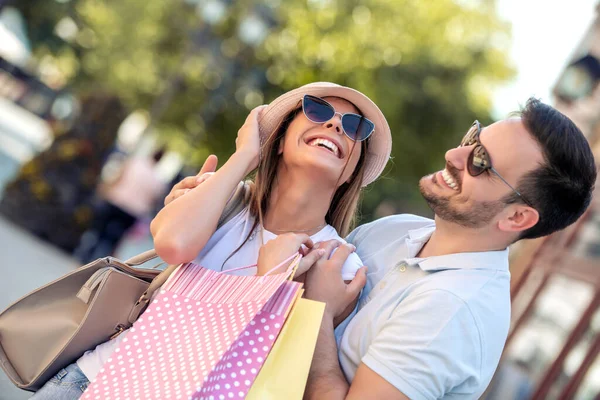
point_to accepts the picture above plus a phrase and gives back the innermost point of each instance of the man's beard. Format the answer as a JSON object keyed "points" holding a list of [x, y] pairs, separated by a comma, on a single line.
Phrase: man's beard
{"points": [[479, 215]]}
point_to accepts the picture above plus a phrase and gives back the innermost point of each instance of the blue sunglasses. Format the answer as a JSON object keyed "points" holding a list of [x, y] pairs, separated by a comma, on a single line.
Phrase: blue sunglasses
{"points": [[355, 126]]}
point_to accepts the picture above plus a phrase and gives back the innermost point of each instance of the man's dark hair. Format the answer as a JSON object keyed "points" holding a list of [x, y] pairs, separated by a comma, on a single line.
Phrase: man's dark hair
{"points": [[561, 189]]}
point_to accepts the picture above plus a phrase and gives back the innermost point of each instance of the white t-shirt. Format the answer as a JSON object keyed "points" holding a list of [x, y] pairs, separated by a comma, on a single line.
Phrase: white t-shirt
{"points": [[432, 327], [213, 256]]}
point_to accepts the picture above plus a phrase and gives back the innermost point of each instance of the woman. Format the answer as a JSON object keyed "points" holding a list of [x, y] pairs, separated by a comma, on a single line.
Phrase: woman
{"points": [[315, 148]]}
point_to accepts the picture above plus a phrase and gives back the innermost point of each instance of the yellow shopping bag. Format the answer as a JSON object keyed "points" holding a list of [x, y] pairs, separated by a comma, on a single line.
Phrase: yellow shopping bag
{"points": [[285, 372]]}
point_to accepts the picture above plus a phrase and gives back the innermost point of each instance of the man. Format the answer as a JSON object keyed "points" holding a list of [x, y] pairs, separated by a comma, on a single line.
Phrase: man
{"points": [[435, 311], [434, 314]]}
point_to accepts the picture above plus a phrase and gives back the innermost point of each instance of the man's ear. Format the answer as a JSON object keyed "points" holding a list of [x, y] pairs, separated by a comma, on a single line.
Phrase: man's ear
{"points": [[518, 218]]}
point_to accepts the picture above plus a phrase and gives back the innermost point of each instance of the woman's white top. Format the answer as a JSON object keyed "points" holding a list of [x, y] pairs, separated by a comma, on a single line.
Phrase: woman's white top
{"points": [[218, 254]]}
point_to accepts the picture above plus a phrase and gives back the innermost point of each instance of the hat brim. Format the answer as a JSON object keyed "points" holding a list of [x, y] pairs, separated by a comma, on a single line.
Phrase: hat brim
{"points": [[380, 142]]}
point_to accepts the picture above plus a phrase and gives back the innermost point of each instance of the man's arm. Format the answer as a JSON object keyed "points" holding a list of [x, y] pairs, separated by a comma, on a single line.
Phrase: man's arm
{"points": [[433, 330], [368, 384], [326, 380], [324, 283]]}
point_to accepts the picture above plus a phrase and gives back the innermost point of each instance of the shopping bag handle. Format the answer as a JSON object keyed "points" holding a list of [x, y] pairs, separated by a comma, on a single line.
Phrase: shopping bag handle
{"points": [[290, 270], [292, 267]]}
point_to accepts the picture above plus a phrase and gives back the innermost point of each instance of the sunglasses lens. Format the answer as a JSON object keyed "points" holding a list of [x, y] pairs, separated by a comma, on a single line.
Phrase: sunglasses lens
{"points": [[478, 162], [469, 138], [316, 109], [357, 127]]}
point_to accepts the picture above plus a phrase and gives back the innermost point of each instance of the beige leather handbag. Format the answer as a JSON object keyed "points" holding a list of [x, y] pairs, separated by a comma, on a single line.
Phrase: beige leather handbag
{"points": [[54, 325]]}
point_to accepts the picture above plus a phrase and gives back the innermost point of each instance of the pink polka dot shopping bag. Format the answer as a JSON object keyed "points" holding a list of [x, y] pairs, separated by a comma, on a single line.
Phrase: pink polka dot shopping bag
{"points": [[206, 335]]}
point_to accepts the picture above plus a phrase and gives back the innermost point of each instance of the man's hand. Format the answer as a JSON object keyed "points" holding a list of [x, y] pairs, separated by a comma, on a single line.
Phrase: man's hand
{"points": [[324, 283], [190, 182], [324, 280], [283, 246]]}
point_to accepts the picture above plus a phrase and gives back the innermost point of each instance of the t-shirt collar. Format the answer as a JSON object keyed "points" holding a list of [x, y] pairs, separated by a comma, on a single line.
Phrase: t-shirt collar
{"points": [[492, 260]]}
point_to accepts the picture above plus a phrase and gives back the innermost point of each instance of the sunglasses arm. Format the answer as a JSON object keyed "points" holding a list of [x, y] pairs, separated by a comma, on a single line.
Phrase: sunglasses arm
{"points": [[510, 186]]}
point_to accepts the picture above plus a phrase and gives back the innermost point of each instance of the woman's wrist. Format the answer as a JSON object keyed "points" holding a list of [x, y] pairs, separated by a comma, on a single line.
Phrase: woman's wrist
{"points": [[248, 159]]}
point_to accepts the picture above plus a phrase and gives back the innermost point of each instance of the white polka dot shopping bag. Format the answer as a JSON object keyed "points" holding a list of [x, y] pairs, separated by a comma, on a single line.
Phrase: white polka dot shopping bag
{"points": [[205, 336]]}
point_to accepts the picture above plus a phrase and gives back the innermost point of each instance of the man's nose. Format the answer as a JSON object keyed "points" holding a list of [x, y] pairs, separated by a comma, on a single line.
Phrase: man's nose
{"points": [[459, 156]]}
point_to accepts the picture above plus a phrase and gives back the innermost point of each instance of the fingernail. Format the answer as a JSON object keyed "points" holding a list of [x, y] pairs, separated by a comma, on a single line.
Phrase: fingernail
{"points": [[186, 190], [353, 247], [321, 252]]}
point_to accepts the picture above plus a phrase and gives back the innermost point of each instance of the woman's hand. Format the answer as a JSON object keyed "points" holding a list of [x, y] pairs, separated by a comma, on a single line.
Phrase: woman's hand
{"points": [[190, 182], [275, 251], [248, 138], [247, 143]]}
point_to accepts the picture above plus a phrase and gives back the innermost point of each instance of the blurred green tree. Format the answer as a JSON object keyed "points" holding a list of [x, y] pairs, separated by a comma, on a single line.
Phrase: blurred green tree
{"points": [[199, 66]]}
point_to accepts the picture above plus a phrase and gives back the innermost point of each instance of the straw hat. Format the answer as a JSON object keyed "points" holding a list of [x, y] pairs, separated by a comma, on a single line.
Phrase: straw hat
{"points": [[380, 142]]}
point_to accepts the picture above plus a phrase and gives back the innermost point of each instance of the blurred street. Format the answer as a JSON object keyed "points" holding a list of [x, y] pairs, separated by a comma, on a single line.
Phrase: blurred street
{"points": [[25, 264]]}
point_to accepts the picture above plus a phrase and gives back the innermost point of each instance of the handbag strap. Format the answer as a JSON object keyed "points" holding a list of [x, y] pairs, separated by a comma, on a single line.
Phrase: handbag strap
{"points": [[142, 258], [144, 299], [239, 200]]}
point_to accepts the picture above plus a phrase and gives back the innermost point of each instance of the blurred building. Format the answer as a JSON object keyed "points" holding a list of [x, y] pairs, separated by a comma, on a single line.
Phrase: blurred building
{"points": [[27, 104], [553, 347], [56, 188]]}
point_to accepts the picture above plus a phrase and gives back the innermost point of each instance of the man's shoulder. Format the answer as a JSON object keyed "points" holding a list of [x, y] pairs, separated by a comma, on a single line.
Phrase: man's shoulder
{"points": [[479, 300], [479, 290], [477, 293], [396, 225]]}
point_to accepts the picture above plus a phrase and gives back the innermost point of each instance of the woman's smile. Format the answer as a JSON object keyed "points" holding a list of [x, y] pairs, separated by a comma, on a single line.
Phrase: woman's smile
{"points": [[326, 144]]}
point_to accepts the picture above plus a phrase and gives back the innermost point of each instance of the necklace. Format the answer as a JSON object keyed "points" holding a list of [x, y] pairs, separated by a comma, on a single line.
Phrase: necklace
{"points": [[318, 228], [279, 231]]}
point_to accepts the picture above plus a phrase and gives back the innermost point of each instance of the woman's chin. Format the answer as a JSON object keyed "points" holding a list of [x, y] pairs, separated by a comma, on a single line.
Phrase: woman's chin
{"points": [[320, 167], [324, 171]]}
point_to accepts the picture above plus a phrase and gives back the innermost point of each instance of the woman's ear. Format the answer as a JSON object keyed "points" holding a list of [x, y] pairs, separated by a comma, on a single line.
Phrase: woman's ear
{"points": [[280, 147]]}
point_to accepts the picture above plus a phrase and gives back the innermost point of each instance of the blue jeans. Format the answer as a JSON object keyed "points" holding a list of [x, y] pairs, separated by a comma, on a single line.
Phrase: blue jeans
{"points": [[68, 384]]}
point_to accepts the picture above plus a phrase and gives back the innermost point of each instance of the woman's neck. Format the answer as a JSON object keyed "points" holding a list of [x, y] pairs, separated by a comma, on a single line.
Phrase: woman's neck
{"points": [[297, 204]]}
